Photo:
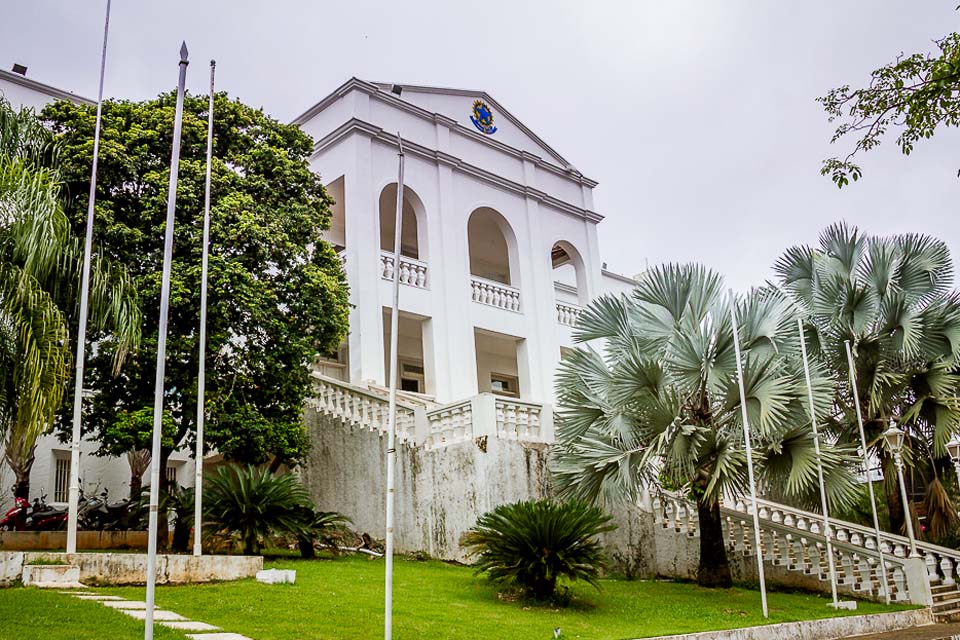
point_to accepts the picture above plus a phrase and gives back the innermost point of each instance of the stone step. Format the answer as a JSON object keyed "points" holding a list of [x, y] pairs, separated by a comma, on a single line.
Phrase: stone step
{"points": [[945, 605]]}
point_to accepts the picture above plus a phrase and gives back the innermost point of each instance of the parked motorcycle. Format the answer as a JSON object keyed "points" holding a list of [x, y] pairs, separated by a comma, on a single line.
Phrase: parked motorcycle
{"points": [[15, 519], [101, 515], [46, 518]]}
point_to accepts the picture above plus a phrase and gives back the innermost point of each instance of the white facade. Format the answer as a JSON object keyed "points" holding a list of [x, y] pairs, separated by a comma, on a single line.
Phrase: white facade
{"points": [[499, 242], [499, 251]]}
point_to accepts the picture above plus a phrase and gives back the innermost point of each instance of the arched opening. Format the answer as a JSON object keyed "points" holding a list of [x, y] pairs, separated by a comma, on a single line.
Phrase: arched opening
{"points": [[337, 233], [569, 286], [493, 247], [412, 238]]}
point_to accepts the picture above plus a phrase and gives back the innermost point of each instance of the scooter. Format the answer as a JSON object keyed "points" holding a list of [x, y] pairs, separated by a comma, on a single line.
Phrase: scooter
{"points": [[15, 519], [46, 518], [103, 516]]}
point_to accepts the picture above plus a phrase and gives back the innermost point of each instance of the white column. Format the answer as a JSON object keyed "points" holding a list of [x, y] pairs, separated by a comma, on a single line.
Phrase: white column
{"points": [[363, 261], [455, 354], [538, 303]]}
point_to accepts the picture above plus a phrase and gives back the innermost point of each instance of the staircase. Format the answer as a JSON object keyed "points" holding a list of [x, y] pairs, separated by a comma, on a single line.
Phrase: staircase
{"points": [[793, 539], [421, 422]]}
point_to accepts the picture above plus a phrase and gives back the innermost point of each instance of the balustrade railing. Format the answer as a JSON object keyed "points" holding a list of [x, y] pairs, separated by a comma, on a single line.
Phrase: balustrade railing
{"points": [[567, 314], [495, 294], [518, 420], [359, 408], [412, 272], [794, 539], [450, 424]]}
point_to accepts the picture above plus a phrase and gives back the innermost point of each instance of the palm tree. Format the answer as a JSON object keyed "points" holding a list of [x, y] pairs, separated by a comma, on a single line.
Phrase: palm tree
{"points": [[659, 406], [892, 298], [39, 283]]}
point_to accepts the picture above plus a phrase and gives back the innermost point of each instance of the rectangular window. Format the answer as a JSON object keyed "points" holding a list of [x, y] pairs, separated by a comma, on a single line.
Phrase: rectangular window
{"points": [[61, 480], [503, 385], [171, 476]]}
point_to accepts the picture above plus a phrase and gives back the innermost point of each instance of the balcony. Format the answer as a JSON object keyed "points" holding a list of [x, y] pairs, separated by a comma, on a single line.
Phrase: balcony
{"points": [[495, 294], [412, 272], [567, 314]]}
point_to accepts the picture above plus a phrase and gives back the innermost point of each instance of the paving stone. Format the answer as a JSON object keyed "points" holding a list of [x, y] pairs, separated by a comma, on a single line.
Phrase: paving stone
{"points": [[216, 636], [190, 625], [94, 596], [125, 604], [158, 614]]}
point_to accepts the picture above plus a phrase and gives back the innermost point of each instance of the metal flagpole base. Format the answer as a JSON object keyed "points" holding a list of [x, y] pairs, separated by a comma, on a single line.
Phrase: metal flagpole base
{"points": [[849, 605]]}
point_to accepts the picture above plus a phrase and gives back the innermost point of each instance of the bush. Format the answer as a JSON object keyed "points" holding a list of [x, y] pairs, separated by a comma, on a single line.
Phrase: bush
{"points": [[254, 503], [329, 528], [530, 545]]}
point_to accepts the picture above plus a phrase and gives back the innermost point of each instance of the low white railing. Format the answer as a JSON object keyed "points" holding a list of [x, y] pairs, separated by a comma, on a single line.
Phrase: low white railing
{"points": [[942, 564], [518, 420], [495, 294], [412, 272], [359, 408], [567, 314], [450, 424], [421, 422], [794, 539]]}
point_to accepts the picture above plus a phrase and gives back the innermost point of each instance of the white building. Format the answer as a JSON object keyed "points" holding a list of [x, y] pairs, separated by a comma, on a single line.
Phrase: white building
{"points": [[499, 254], [499, 240]]}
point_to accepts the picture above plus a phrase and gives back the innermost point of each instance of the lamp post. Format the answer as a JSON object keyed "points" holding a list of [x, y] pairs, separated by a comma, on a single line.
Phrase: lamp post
{"points": [[953, 448], [894, 437]]}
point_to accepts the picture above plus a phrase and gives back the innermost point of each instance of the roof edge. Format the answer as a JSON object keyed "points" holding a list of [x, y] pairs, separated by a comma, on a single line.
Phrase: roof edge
{"points": [[41, 87]]}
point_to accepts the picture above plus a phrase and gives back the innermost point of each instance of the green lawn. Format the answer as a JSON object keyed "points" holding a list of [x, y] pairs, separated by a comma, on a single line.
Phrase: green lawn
{"points": [[343, 599], [33, 614]]}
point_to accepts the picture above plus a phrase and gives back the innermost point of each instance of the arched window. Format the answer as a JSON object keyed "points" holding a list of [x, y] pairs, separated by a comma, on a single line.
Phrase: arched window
{"points": [[568, 274]]}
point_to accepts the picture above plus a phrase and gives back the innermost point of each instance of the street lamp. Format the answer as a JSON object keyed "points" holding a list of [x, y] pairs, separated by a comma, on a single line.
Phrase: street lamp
{"points": [[953, 448], [894, 437]]}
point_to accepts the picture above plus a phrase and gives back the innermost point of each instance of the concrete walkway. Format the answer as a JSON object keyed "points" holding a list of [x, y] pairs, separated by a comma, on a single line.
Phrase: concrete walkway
{"points": [[138, 609], [925, 632]]}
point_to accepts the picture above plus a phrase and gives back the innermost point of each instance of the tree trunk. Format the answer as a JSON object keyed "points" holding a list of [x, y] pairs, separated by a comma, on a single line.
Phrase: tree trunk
{"points": [[306, 547], [21, 489], [21, 470], [714, 570], [892, 488], [163, 519], [138, 460]]}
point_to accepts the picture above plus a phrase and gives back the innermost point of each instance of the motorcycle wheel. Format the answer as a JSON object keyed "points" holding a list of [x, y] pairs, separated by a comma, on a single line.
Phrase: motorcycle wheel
{"points": [[7, 526]]}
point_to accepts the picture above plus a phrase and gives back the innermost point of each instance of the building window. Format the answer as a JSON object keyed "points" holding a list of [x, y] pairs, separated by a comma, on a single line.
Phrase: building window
{"points": [[61, 480], [171, 476], [503, 385]]}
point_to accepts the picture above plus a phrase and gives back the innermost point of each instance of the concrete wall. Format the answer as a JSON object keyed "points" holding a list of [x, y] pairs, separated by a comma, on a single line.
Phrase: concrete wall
{"points": [[86, 540], [130, 568], [440, 493]]}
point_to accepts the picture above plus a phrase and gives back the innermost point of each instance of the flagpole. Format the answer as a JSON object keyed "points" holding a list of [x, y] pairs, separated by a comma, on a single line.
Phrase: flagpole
{"points": [[749, 450], [827, 532], [392, 412], [73, 498], [866, 468], [162, 350], [202, 371]]}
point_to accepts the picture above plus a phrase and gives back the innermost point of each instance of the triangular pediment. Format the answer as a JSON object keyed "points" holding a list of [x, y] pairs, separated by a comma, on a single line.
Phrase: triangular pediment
{"points": [[481, 113]]}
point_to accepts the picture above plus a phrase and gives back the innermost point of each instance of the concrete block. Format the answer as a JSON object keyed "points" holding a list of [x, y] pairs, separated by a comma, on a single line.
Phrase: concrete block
{"points": [[95, 597], [158, 614], [50, 574], [277, 576], [189, 625], [126, 604]]}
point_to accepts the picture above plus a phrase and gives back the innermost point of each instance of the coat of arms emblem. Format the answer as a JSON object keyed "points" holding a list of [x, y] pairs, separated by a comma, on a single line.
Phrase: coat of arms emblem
{"points": [[482, 117]]}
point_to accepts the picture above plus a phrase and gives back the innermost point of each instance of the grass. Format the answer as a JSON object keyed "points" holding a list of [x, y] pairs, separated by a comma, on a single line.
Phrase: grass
{"points": [[34, 614], [342, 599]]}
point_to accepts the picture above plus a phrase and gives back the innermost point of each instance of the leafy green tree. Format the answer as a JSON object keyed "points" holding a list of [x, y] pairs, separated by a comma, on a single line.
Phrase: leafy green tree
{"points": [[277, 291], [130, 433], [660, 406], [254, 503], [892, 299], [913, 95], [534, 544], [40, 264]]}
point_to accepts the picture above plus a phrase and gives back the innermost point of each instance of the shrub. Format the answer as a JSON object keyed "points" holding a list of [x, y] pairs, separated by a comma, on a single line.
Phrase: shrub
{"points": [[530, 545], [329, 528], [253, 503]]}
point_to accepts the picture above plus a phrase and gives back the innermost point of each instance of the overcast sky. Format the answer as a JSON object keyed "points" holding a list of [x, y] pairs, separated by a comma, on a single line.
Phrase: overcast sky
{"points": [[697, 118]]}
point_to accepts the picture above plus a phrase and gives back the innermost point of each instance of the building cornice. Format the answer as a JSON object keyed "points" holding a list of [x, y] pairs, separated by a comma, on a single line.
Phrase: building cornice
{"points": [[618, 276], [46, 89], [376, 91], [356, 125]]}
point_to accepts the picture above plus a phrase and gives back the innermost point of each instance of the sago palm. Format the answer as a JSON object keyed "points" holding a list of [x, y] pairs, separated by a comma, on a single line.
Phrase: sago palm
{"points": [[39, 290], [532, 545], [254, 503], [892, 299], [656, 403]]}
